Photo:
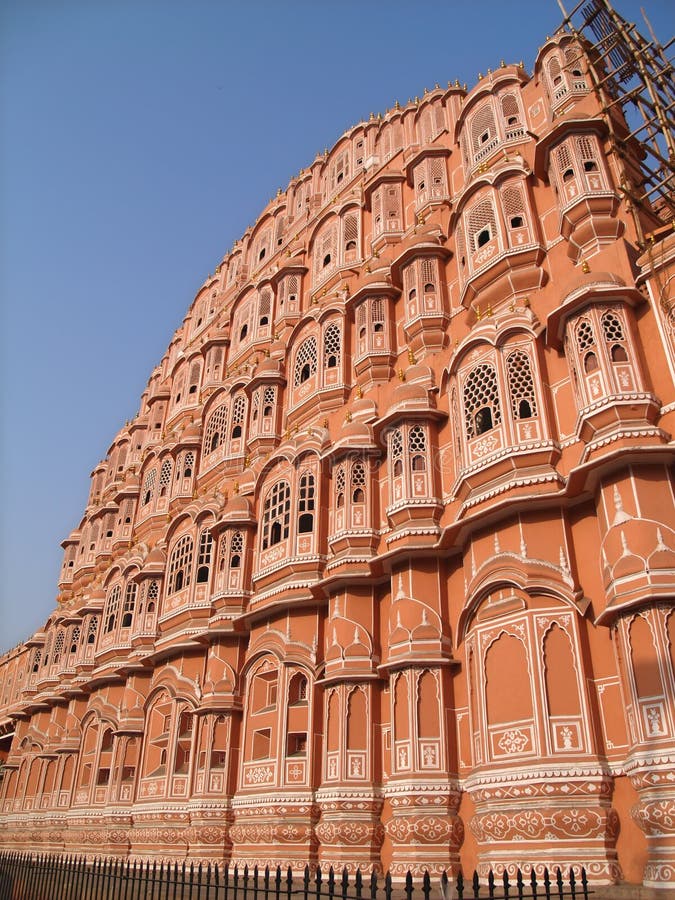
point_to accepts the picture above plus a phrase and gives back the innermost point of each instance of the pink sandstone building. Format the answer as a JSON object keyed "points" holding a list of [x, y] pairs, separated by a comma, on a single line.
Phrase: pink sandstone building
{"points": [[382, 572]]}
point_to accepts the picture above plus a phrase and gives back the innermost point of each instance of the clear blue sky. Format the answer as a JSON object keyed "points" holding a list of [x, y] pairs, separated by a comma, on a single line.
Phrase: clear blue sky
{"points": [[138, 140]]}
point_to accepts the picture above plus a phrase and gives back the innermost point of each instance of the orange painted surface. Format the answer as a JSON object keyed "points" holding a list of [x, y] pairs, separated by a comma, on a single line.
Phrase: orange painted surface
{"points": [[382, 573]]}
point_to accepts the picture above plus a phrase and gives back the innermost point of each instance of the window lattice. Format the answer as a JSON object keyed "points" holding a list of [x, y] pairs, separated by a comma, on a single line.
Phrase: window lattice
{"points": [[264, 307], [305, 361], [75, 639], [340, 482], [180, 564], [331, 345], [205, 548], [417, 441], [513, 202], [350, 231], [612, 328], [194, 378], [584, 334], [255, 406], [377, 311], [276, 514], [521, 385], [437, 175], [306, 493], [269, 397], [165, 476], [237, 544], [149, 486], [510, 108], [153, 591], [238, 412], [361, 314], [58, 645], [112, 608], [482, 128], [188, 464], [428, 272], [587, 148], [129, 604], [215, 429], [37, 660], [92, 629], [563, 159], [396, 444], [358, 474], [480, 392], [481, 217]]}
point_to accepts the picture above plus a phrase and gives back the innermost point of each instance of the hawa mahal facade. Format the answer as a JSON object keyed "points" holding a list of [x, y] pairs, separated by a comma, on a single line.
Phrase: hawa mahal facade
{"points": [[382, 572]]}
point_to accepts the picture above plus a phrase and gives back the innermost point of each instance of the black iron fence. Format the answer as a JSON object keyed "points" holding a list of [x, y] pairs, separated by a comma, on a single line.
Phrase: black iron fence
{"points": [[31, 876]]}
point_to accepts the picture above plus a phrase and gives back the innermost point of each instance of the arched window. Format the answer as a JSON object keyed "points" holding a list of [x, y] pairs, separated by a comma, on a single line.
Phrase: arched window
{"points": [[340, 486], [204, 556], [188, 464], [358, 481], [180, 564], [238, 415], [276, 514], [521, 385], [331, 346], [112, 609], [350, 233], [586, 345], [396, 451], [481, 401], [417, 448], [269, 399], [482, 224], [215, 429], [306, 504], [305, 361], [613, 332], [129, 604], [165, 477], [236, 550], [149, 487]]}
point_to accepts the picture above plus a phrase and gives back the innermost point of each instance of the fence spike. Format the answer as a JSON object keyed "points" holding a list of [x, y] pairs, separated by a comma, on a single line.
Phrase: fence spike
{"points": [[584, 883], [519, 883], [560, 883], [475, 882], [408, 884], [387, 886], [459, 884], [533, 883], [426, 885], [358, 883], [373, 885], [547, 884], [505, 880]]}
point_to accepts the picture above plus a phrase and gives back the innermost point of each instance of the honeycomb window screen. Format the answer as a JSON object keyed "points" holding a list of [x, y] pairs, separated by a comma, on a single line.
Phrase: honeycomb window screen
{"points": [[59, 644], [92, 630], [612, 327], [396, 451], [276, 515], [204, 555], [306, 502], [269, 399], [112, 609], [361, 314], [358, 474], [129, 604], [521, 385], [188, 464], [332, 340], [255, 405], [180, 564], [439, 118], [555, 71], [325, 251], [377, 313], [482, 224], [165, 477], [37, 660], [589, 154], [236, 550], [215, 429], [75, 639], [222, 552], [584, 335], [149, 487], [238, 415], [392, 205], [293, 287], [481, 400], [305, 361], [153, 591], [340, 482], [417, 448]]}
